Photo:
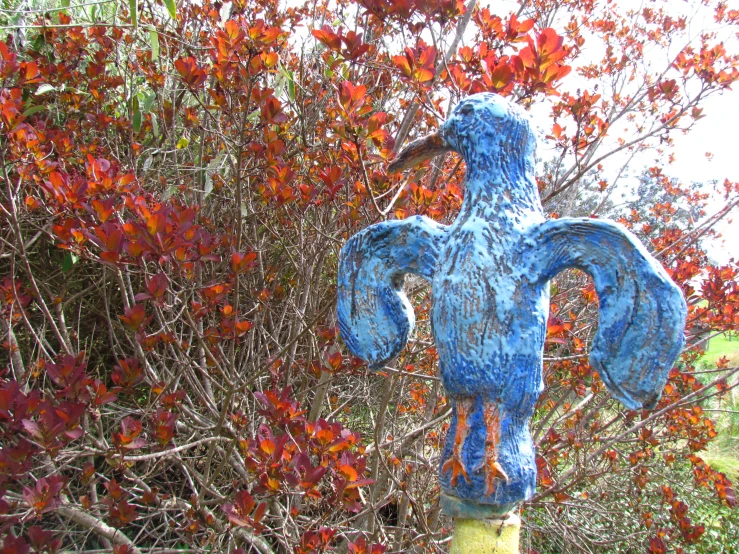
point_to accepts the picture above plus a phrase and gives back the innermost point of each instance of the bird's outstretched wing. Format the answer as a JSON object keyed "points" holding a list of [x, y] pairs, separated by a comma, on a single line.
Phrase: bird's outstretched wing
{"points": [[374, 315], [642, 311]]}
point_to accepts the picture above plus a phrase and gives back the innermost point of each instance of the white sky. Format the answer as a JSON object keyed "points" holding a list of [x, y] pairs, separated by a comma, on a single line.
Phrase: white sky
{"points": [[717, 134]]}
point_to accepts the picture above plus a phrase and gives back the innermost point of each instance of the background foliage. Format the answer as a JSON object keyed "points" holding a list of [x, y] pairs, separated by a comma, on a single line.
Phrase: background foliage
{"points": [[177, 180]]}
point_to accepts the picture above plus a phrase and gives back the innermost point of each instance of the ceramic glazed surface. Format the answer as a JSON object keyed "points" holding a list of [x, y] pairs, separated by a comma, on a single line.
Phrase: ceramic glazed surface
{"points": [[489, 273]]}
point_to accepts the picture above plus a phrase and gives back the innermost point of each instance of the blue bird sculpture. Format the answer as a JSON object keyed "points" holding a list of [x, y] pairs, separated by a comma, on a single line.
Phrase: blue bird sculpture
{"points": [[489, 274]]}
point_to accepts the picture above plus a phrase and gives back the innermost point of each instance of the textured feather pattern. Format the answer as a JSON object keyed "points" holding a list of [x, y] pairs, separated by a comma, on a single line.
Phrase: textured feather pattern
{"points": [[641, 315], [489, 273], [375, 317]]}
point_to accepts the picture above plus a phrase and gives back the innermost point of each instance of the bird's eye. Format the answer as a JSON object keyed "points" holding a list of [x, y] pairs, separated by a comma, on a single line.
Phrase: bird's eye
{"points": [[467, 109]]}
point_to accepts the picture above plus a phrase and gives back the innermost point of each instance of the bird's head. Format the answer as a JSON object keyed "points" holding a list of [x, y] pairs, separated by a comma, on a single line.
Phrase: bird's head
{"points": [[486, 129]]}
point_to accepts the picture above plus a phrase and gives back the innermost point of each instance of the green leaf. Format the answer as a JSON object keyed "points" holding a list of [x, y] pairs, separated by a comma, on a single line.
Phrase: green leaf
{"points": [[33, 109], [154, 125], [171, 8], [290, 81], [207, 182], [149, 102], [38, 42], [69, 261], [291, 89], [65, 3], [136, 121], [43, 89], [133, 7], [279, 85], [154, 40]]}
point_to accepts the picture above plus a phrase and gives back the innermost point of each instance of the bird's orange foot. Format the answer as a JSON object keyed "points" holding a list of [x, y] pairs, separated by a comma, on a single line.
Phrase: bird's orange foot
{"points": [[489, 464], [456, 466], [454, 463], [493, 470]]}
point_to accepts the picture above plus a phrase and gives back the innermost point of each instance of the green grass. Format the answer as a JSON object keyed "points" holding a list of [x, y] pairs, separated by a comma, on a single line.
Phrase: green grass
{"points": [[719, 347], [723, 453], [724, 461]]}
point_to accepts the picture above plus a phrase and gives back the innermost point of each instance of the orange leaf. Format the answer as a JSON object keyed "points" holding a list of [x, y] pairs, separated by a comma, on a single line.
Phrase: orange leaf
{"points": [[327, 37], [267, 446], [243, 262], [501, 76], [548, 42], [270, 59], [525, 26], [423, 75], [527, 56], [404, 64], [349, 472]]}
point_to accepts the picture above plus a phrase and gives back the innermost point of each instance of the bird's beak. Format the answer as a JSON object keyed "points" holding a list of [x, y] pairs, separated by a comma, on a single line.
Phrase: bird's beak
{"points": [[419, 151]]}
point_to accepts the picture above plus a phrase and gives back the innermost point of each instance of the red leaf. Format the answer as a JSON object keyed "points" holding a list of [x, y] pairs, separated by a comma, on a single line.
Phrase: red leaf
{"points": [[164, 426], [359, 546], [103, 209], [127, 373], [404, 64], [349, 473], [335, 361], [272, 111], [42, 540], [130, 429], [44, 496], [354, 46], [352, 96], [240, 512], [12, 544], [29, 73], [548, 42], [528, 56], [328, 37], [525, 26], [135, 317], [242, 327], [121, 513], [657, 546], [243, 262], [191, 74]]}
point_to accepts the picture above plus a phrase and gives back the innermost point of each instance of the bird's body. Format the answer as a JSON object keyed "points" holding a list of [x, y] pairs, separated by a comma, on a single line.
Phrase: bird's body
{"points": [[489, 273], [488, 319], [489, 325], [497, 314]]}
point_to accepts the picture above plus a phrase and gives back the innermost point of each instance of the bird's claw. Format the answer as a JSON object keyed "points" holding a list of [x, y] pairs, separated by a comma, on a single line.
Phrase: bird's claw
{"points": [[454, 463], [456, 466], [493, 470], [489, 464]]}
